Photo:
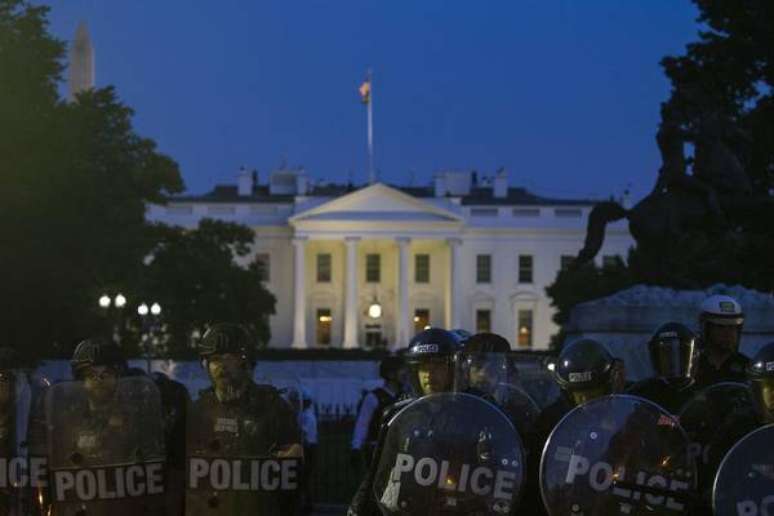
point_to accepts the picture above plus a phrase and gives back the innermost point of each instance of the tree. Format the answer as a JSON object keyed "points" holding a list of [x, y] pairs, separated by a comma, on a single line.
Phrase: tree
{"points": [[195, 277], [75, 180]]}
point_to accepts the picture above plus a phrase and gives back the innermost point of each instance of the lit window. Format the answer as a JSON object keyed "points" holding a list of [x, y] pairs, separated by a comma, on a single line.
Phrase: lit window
{"points": [[484, 268], [324, 322], [421, 319], [525, 328], [483, 321]]}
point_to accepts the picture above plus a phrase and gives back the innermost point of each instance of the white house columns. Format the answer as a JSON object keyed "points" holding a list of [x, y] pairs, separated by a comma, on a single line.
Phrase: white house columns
{"points": [[299, 293], [350, 299], [453, 318], [403, 325]]}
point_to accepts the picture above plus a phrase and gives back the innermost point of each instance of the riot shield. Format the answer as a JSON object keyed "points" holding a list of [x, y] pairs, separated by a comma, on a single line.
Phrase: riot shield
{"points": [[448, 454], [21, 473], [106, 451], [714, 420], [243, 457], [617, 455], [744, 485], [495, 378]]}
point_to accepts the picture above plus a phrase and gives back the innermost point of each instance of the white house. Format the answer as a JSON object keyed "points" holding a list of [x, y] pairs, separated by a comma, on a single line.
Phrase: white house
{"points": [[371, 266]]}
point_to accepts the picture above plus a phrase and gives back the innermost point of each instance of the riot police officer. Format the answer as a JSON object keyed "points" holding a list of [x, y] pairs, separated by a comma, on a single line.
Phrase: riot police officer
{"points": [[431, 361], [243, 423], [584, 370], [674, 354], [720, 325]]}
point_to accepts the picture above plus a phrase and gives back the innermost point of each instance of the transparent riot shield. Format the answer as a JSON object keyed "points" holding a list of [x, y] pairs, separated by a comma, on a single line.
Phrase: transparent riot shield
{"points": [[715, 419], [744, 485], [495, 378], [21, 473], [617, 455], [106, 451], [244, 456], [448, 454]]}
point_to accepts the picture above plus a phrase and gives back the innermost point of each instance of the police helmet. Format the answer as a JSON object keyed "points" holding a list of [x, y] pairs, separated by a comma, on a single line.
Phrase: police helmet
{"points": [[97, 352], [486, 343], [674, 351], [461, 335], [760, 373], [431, 346], [585, 366], [721, 310], [226, 338]]}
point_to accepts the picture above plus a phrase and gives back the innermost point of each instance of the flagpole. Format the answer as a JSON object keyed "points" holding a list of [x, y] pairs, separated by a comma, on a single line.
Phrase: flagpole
{"points": [[371, 172]]}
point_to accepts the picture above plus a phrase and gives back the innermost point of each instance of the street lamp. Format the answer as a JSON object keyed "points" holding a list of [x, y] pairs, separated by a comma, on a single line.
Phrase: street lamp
{"points": [[149, 326], [375, 310], [155, 309], [119, 301], [142, 310], [104, 301]]}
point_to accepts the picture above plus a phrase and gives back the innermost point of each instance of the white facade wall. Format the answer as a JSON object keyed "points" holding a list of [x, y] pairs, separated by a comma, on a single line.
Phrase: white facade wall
{"points": [[379, 215]]}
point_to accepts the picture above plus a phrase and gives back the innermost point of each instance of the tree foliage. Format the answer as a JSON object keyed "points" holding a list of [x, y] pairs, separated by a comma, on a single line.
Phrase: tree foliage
{"points": [[192, 274], [75, 181]]}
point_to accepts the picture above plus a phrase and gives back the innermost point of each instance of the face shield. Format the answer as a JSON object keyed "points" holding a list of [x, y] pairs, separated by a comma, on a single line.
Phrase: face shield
{"points": [[483, 372], [432, 374], [673, 359], [763, 398], [230, 374], [100, 383]]}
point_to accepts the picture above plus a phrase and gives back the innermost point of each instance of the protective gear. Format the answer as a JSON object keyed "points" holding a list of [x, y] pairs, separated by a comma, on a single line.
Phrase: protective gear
{"points": [[486, 343], [760, 373], [226, 338], [96, 444], [603, 451], [720, 314], [674, 352], [743, 482], [586, 370], [449, 454], [97, 352], [461, 335], [431, 357]]}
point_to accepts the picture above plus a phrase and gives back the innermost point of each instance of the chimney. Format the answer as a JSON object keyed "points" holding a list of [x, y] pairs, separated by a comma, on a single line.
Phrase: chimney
{"points": [[500, 188], [440, 184], [245, 182]]}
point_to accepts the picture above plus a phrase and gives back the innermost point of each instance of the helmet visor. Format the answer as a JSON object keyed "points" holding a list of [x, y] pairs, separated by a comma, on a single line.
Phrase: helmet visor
{"points": [[432, 374], [673, 359], [763, 398], [581, 396], [482, 372]]}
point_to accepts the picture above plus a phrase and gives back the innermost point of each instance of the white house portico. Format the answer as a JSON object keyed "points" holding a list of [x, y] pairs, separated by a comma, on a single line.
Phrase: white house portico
{"points": [[370, 267]]}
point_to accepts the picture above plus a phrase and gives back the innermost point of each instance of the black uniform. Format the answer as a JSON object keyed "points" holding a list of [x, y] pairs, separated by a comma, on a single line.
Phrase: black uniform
{"points": [[732, 370], [669, 395]]}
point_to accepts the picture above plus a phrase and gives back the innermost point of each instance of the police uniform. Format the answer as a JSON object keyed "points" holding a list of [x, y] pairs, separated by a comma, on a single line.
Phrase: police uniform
{"points": [[731, 370], [669, 395]]}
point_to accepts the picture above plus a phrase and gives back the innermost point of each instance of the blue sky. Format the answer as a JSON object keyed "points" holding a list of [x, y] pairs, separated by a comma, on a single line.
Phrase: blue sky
{"points": [[564, 94]]}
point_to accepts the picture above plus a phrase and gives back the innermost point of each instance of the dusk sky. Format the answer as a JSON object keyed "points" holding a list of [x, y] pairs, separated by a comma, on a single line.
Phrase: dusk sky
{"points": [[564, 94]]}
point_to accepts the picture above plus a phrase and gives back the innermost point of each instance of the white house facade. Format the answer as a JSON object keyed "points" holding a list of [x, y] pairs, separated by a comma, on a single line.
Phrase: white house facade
{"points": [[371, 266]]}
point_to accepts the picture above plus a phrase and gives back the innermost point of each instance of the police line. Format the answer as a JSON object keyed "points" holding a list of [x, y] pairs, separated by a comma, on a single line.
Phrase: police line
{"points": [[220, 474], [480, 480]]}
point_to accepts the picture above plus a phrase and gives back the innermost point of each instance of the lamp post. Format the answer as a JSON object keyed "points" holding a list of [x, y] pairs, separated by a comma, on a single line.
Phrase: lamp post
{"points": [[113, 307], [149, 316]]}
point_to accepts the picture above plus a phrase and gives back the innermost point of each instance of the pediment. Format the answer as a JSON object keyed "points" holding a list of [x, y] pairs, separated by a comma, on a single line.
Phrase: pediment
{"points": [[377, 202]]}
